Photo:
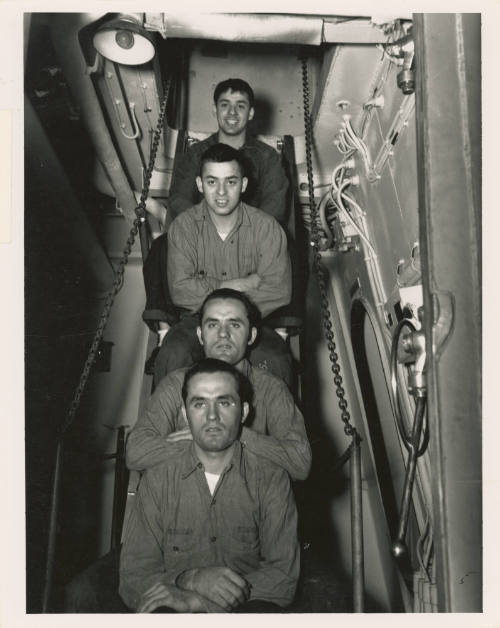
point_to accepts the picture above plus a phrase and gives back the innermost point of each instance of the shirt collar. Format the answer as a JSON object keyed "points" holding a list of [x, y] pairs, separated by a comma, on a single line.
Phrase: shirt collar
{"points": [[250, 140], [190, 462], [246, 367]]}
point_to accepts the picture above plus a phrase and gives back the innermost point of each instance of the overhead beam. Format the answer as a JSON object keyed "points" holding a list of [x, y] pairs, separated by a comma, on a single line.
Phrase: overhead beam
{"points": [[302, 29]]}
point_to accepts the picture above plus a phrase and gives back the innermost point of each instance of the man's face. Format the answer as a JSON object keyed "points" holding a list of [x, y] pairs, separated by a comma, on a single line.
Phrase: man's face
{"points": [[233, 112], [222, 186], [225, 330], [214, 410]]}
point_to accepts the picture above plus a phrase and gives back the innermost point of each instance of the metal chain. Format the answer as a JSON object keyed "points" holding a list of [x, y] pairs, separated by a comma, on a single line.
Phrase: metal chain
{"points": [[318, 267], [140, 211]]}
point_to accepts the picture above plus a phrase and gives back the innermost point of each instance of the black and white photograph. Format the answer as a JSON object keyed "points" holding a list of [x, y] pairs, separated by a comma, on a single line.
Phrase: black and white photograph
{"points": [[248, 277]]}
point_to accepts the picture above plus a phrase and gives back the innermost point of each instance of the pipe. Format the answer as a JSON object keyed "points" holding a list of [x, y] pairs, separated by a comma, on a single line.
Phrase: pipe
{"points": [[51, 545], [358, 575], [399, 547]]}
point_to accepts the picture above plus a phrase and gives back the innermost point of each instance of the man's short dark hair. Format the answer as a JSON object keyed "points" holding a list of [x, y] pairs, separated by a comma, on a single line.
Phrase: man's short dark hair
{"points": [[212, 365], [234, 85], [251, 309], [222, 153]]}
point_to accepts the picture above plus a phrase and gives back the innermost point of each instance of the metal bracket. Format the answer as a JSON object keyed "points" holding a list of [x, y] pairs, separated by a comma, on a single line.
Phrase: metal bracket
{"points": [[156, 22]]}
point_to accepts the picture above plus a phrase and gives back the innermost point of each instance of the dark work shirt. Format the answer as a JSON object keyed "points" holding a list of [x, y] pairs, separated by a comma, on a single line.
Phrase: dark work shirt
{"points": [[267, 183], [249, 524]]}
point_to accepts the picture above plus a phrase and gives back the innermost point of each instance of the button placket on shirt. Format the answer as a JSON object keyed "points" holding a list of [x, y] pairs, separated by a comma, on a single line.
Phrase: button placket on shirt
{"points": [[227, 249], [213, 511], [226, 244]]}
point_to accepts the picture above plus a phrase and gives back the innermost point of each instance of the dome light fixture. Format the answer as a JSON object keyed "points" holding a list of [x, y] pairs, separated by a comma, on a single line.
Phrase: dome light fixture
{"points": [[124, 41]]}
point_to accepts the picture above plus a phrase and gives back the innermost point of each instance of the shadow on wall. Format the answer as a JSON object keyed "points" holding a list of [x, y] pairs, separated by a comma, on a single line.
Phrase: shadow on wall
{"points": [[263, 122]]}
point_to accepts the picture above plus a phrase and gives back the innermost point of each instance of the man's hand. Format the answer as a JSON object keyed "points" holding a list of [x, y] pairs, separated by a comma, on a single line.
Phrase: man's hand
{"points": [[242, 284], [221, 585], [181, 601], [184, 434]]}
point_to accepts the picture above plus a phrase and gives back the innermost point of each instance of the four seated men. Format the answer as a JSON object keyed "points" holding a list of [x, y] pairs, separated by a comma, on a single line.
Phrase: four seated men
{"points": [[214, 522], [213, 527]]}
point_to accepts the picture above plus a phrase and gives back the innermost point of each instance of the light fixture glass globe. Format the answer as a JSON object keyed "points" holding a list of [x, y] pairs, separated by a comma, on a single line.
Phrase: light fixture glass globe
{"points": [[124, 42]]}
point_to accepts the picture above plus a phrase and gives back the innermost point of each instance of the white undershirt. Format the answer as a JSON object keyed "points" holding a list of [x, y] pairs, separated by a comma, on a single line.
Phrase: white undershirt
{"points": [[212, 479], [223, 234]]}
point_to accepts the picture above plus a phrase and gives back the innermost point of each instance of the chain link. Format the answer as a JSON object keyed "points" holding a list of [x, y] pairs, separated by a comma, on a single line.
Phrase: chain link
{"points": [[140, 211], [318, 267]]}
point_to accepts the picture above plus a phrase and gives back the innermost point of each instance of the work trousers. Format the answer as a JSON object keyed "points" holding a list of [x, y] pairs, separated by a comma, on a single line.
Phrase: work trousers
{"points": [[95, 590]]}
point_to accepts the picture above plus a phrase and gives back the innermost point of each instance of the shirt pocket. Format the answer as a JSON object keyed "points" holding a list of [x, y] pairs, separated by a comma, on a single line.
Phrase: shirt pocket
{"points": [[180, 540], [246, 538], [248, 258]]}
